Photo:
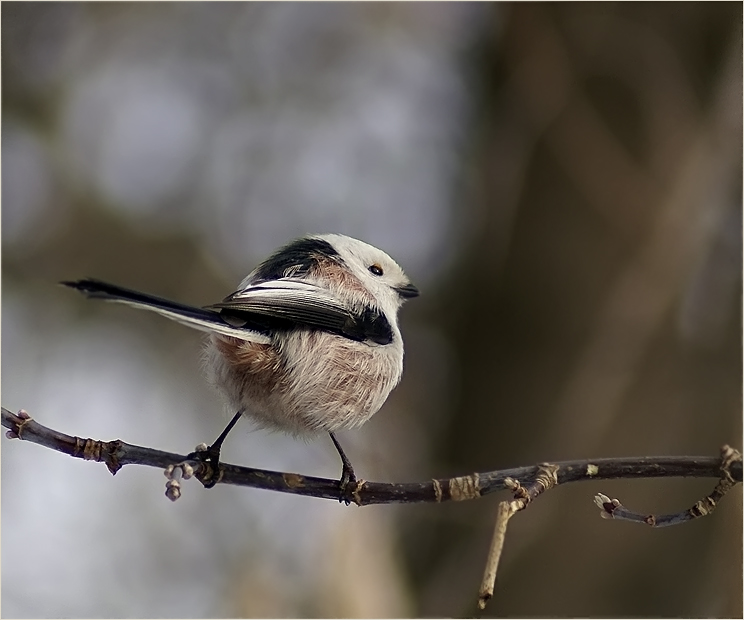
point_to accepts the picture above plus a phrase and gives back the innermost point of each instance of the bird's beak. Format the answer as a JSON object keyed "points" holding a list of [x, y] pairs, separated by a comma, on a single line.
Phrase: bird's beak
{"points": [[408, 291]]}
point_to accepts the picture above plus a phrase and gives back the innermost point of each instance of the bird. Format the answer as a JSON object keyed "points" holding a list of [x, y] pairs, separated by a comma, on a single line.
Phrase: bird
{"points": [[309, 343]]}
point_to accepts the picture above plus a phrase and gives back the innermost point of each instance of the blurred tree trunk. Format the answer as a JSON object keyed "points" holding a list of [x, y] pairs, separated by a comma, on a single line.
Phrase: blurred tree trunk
{"points": [[605, 179]]}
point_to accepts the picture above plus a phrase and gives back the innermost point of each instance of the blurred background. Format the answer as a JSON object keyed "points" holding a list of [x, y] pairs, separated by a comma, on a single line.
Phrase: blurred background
{"points": [[562, 181]]}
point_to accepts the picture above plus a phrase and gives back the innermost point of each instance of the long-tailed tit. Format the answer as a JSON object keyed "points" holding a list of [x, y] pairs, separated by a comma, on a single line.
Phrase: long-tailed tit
{"points": [[308, 343]]}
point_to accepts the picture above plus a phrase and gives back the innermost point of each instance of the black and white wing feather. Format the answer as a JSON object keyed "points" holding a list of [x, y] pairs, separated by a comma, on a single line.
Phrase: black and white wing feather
{"points": [[288, 302]]}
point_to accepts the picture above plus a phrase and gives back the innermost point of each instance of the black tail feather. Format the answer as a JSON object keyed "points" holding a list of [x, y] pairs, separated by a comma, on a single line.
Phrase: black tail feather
{"points": [[96, 289]]}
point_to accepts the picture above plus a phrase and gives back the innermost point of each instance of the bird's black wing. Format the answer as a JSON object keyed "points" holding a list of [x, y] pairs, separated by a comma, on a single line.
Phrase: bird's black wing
{"points": [[287, 303]]}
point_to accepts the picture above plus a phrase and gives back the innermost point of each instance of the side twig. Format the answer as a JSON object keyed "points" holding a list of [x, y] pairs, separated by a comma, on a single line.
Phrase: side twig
{"points": [[546, 479], [613, 509]]}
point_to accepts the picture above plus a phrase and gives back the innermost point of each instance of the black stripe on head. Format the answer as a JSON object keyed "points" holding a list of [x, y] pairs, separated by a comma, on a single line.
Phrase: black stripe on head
{"points": [[295, 259]]}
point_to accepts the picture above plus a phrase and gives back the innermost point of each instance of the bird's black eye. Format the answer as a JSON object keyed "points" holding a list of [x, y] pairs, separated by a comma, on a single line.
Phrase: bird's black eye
{"points": [[375, 269]]}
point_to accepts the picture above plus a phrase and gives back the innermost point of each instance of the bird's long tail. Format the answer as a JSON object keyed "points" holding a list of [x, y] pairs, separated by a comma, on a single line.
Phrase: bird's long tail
{"points": [[197, 318]]}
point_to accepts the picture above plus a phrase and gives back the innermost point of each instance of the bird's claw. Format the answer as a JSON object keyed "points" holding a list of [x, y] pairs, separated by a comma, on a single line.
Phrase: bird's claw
{"points": [[208, 455], [347, 485]]}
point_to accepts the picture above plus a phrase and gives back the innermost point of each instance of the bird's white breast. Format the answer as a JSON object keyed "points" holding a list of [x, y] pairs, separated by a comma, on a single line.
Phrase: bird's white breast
{"points": [[305, 381]]}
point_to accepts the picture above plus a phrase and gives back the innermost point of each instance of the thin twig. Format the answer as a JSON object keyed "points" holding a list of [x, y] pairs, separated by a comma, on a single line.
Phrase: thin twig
{"points": [[613, 509], [545, 480]]}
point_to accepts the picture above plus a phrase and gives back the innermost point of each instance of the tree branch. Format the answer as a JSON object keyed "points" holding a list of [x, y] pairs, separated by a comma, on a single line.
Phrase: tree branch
{"points": [[535, 480], [115, 454]]}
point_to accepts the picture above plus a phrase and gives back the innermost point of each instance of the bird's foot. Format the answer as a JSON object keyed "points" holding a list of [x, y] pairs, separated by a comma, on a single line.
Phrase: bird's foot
{"points": [[347, 485], [210, 456]]}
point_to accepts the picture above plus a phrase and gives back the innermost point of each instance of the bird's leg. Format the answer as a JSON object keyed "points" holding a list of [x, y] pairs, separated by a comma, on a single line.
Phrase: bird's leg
{"points": [[212, 454], [348, 479]]}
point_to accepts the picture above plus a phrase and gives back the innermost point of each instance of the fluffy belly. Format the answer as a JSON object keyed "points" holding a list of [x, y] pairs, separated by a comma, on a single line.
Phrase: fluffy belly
{"points": [[307, 382]]}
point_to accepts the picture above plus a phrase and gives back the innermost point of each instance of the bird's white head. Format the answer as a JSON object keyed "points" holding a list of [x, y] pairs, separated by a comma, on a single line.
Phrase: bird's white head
{"points": [[377, 272]]}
